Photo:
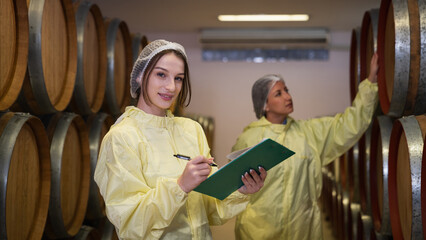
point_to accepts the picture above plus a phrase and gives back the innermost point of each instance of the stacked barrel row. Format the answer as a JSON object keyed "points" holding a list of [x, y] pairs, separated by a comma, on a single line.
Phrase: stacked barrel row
{"points": [[64, 78], [59, 56], [375, 190], [47, 166]]}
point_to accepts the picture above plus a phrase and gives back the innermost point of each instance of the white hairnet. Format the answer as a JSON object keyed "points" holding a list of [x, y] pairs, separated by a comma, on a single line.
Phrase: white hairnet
{"points": [[147, 53], [260, 92]]}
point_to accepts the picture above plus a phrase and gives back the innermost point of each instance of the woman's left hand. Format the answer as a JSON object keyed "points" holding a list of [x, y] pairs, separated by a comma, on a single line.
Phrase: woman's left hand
{"points": [[253, 182], [374, 68]]}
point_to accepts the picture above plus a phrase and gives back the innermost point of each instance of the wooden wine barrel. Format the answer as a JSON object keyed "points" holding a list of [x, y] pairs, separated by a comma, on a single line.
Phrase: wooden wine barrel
{"points": [[325, 198], [352, 172], [354, 63], [420, 102], [343, 215], [343, 178], [337, 198], [139, 41], [52, 56], [402, 77], [336, 169], [405, 160], [364, 171], [25, 176], [76, 3], [330, 187], [354, 211], [416, 99], [98, 126], [89, 90], [364, 226], [70, 159], [379, 167], [14, 50], [423, 193], [322, 200], [335, 188], [368, 45], [119, 67], [348, 214]]}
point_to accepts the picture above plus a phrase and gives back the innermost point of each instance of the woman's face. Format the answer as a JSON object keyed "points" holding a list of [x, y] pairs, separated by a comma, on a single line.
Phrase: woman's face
{"points": [[279, 103], [164, 84]]}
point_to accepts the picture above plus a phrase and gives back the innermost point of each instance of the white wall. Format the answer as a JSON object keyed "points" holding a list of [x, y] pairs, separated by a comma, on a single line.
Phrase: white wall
{"points": [[223, 91]]}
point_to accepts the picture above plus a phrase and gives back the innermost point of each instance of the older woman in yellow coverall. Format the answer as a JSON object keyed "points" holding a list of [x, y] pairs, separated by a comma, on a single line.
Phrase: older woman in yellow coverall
{"points": [[147, 191], [286, 207]]}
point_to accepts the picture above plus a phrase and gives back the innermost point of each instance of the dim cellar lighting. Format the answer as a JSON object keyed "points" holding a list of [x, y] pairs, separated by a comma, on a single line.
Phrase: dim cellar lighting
{"points": [[263, 17]]}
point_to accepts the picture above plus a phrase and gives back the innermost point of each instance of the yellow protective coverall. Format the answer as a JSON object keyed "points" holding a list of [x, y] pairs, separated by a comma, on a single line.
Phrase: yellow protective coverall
{"points": [[137, 173], [286, 207]]}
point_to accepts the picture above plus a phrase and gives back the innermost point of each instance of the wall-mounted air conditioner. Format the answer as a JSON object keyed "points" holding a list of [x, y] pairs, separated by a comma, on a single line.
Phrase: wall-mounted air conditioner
{"points": [[265, 37]]}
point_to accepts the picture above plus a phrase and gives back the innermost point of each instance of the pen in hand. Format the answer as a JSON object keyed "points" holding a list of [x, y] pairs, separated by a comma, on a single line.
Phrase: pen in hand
{"points": [[188, 158]]}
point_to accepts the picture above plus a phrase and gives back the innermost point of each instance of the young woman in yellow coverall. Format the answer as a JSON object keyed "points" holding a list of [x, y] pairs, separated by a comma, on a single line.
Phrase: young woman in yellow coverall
{"points": [[147, 191], [286, 207]]}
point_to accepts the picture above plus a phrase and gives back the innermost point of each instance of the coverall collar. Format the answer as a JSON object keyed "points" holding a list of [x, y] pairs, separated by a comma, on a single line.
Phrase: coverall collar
{"points": [[278, 128], [146, 118]]}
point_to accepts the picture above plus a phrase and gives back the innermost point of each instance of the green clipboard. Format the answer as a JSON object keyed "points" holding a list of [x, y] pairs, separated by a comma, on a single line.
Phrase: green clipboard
{"points": [[227, 179]]}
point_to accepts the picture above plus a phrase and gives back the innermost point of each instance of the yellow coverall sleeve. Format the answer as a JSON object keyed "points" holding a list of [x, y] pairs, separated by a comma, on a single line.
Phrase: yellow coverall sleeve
{"points": [[332, 136], [138, 211], [239, 145]]}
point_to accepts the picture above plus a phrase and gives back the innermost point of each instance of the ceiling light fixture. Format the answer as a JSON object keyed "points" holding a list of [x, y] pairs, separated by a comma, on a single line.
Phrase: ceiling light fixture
{"points": [[263, 18]]}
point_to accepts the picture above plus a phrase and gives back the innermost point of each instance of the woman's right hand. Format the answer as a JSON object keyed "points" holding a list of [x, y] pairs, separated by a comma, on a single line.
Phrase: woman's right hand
{"points": [[196, 171]]}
